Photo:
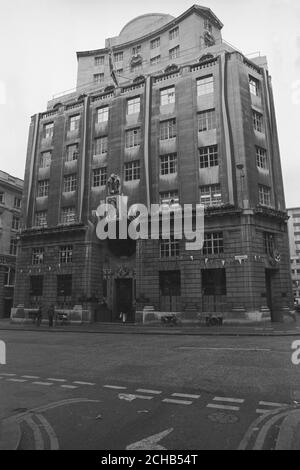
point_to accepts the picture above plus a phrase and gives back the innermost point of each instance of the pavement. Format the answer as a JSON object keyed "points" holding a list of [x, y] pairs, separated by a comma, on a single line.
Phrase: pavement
{"points": [[290, 328]]}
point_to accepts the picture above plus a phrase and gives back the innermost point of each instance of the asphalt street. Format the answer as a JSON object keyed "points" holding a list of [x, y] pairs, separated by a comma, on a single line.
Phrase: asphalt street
{"points": [[105, 391]]}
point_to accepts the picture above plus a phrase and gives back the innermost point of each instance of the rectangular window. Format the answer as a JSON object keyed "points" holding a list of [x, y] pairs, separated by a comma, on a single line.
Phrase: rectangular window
{"points": [[168, 164], [48, 130], [15, 223], [98, 77], [269, 242], [132, 170], [45, 160], [13, 246], [72, 153], [169, 197], [208, 156], [155, 43], [264, 195], [118, 56], [167, 95], [210, 195], [68, 215], [261, 158], [74, 122], [43, 188], [206, 120], [100, 145], [254, 86], [205, 85], [133, 137], [136, 49], [36, 286], [102, 114], [155, 60], [64, 285], [99, 60], [70, 183], [65, 254], [2, 197], [9, 276], [99, 177], [174, 52], [133, 105], [41, 219], [168, 129], [257, 121], [136, 68], [169, 248], [174, 33], [207, 25], [37, 256], [17, 202], [213, 243]]}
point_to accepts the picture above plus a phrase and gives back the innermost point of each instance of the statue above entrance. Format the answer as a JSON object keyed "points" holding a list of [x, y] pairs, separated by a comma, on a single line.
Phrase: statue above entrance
{"points": [[113, 184]]}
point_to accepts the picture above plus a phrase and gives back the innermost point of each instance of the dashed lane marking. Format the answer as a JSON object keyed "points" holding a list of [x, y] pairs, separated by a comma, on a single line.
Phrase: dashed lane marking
{"points": [[231, 400], [56, 380], [144, 390], [115, 387], [43, 383], [30, 377], [223, 407], [7, 375], [177, 402], [83, 383], [269, 403], [16, 380], [143, 397], [185, 395]]}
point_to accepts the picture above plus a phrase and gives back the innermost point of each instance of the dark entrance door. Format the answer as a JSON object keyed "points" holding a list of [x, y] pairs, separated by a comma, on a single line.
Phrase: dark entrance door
{"points": [[124, 298], [170, 296], [213, 290], [8, 303], [269, 296]]}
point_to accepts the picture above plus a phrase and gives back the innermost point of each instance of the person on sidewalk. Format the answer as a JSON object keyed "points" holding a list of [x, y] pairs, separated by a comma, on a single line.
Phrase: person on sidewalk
{"points": [[51, 313], [39, 315]]}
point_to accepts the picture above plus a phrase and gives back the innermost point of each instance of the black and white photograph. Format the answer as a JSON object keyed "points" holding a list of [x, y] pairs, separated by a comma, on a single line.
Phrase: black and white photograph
{"points": [[149, 228]]}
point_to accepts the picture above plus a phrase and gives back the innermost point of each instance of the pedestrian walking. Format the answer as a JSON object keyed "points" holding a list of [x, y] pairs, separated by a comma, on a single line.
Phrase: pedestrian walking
{"points": [[39, 315], [51, 314]]}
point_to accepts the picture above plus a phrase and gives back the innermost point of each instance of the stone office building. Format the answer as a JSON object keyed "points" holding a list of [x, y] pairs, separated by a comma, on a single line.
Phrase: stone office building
{"points": [[176, 115], [294, 237], [10, 212]]}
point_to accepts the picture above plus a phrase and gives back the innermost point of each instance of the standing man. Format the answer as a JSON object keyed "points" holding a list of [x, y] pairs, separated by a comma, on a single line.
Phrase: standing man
{"points": [[51, 314]]}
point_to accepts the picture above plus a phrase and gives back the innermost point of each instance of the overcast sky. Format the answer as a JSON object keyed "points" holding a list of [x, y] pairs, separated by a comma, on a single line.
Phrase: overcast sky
{"points": [[39, 40]]}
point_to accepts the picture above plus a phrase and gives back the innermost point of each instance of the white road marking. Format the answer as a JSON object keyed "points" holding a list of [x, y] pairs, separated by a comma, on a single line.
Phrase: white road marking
{"points": [[16, 380], [233, 400], [42, 383], [223, 407], [269, 403], [68, 386], [56, 380], [151, 442], [116, 387], [144, 390], [185, 395], [37, 435], [7, 375], [177, 402], [30, 376], [261, 411], [143, 397], [225, 349], [83, 383], [54, 445]]}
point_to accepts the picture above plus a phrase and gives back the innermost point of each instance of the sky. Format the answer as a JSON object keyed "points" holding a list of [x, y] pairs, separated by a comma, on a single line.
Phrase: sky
{"points": [[39, 40]]}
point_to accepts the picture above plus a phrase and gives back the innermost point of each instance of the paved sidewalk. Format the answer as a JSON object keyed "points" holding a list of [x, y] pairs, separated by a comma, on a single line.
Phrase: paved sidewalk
{"points": [[270, 329]]}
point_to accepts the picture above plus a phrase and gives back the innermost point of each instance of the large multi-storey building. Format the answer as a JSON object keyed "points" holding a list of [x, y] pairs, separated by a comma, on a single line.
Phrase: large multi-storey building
{"points": [[294, 237], [172, 113], [10, 213]]}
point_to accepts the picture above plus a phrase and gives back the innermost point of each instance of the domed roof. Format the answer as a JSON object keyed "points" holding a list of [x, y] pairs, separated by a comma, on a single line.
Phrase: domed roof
{"points": [[142, 25]]}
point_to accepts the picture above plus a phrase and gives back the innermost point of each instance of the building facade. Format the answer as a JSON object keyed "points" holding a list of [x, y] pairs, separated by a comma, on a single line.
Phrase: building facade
{"points": [[174, 114], [10, 216], [294, 237]]}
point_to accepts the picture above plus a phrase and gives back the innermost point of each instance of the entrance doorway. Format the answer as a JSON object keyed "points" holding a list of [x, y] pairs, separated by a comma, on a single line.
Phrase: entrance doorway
{"points": [[213, 290], [124, 298], [8, 303], [170, 295]]}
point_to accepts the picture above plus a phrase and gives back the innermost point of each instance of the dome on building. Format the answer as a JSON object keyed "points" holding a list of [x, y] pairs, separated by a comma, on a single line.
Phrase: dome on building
{"points": [[142, 25]]}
